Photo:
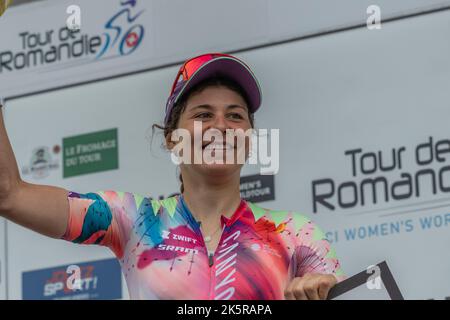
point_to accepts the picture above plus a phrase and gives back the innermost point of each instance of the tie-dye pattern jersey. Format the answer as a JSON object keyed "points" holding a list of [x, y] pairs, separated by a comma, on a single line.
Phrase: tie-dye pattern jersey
{"points": [[163, 255]]}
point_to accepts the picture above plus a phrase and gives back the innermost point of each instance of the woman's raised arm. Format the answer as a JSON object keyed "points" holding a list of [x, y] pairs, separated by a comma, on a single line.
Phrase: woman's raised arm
{"points": [[41, 208]]}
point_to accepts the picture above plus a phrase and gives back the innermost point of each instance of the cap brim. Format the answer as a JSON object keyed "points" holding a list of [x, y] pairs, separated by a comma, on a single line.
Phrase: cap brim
{"points": [[230, 68]]}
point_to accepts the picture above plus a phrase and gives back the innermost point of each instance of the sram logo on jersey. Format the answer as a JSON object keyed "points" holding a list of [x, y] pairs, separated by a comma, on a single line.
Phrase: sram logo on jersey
{"points": [[165, 247]]}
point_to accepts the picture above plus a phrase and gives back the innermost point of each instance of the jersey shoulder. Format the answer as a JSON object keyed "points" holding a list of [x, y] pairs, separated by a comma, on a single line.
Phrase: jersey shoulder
{"points": [[167, 205], [146, 205], [130, 202], [295, 218]]}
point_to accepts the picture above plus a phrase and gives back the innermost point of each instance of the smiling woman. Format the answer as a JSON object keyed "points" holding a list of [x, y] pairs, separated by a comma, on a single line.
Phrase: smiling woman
{"points": [[195, 136], [207, 242]]}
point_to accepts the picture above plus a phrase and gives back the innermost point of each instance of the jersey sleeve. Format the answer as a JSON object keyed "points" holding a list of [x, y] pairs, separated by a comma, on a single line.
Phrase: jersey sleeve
{"points": [[101, 218], [314, 253]]}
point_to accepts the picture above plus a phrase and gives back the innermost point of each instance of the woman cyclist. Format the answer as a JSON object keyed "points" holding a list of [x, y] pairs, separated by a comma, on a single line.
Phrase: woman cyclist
{"points": [[206, 242]]}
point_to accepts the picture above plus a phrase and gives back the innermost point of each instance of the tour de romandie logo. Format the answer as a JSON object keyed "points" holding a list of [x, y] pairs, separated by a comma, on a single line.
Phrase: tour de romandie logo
{"points": [[123, 34], [42, 162]]}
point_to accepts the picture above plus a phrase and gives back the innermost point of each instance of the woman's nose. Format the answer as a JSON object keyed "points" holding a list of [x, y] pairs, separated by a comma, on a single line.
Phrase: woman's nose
{"points": [[220, 123]]}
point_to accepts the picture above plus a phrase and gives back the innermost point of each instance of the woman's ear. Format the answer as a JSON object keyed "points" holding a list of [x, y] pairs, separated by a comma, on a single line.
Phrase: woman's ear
{"points": [[169, 143]]}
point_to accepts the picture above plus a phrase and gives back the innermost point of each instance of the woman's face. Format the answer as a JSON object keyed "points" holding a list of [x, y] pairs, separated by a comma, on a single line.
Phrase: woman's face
{"points": [[217, 109]]}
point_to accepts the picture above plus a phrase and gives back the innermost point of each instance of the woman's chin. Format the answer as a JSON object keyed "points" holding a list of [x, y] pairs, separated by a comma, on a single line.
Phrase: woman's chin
{"points": [[219, 168]]}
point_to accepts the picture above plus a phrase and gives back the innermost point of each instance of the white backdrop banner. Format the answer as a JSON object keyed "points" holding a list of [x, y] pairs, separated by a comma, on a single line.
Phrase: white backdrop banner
{"points": [[38, 52], [364, 147]]}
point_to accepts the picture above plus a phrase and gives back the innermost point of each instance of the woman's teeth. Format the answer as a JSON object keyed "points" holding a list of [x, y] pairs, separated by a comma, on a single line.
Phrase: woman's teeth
{"points": [[217, 146]]}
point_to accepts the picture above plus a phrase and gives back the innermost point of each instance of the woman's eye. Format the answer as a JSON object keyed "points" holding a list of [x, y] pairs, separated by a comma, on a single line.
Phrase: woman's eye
{"points": [[203, 115], [236, 116]]}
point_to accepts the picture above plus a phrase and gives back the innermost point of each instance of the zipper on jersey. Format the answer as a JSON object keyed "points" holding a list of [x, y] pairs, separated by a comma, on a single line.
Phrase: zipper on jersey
{"points": [[211, 257], [211, 261]]}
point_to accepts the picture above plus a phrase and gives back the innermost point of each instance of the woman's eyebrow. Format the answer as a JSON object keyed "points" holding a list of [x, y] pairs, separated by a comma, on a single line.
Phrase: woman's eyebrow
{"points": [[209, 107], [236, 106], [202, 106]]}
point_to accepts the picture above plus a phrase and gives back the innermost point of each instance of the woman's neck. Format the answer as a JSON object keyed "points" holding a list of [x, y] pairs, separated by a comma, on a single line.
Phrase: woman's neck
{"points": [[210, 198]]}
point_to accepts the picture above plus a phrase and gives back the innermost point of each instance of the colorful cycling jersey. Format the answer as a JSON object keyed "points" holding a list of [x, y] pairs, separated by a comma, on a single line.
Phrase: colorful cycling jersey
{"points": [[163, 255]]}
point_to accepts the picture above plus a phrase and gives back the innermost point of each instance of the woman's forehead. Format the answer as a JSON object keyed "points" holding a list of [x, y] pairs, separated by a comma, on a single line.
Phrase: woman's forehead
{"points": [[216, 101], [216, 107]]}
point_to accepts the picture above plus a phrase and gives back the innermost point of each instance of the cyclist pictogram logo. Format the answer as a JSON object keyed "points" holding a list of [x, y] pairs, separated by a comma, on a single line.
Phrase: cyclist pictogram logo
{"points": [[123, 39]]}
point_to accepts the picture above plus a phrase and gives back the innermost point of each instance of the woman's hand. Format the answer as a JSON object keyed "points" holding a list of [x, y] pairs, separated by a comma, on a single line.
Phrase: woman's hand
{"points": [[312, 286]]}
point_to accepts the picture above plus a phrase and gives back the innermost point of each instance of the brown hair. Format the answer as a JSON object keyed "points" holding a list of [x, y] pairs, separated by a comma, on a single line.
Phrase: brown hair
{"points": [[179, 108]]}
